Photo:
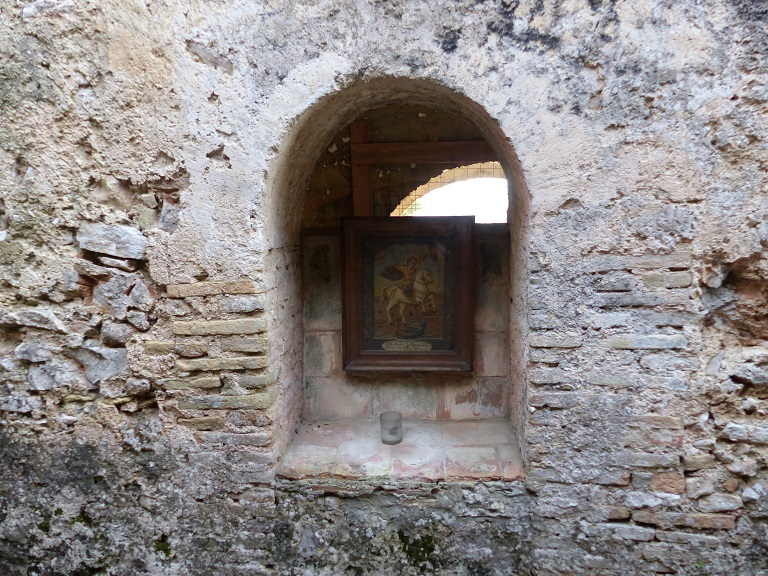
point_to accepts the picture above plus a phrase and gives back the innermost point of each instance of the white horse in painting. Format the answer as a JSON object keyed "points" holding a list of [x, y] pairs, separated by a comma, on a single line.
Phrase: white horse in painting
{"points": [[394, 296]]}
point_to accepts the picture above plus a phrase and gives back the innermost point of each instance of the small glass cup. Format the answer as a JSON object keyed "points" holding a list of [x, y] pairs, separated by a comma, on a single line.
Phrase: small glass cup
{"points": [[391, 427]]}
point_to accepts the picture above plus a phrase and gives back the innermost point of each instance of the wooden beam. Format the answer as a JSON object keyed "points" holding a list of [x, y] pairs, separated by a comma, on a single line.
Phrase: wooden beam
{"points": [[465, 152], [362, 195]]}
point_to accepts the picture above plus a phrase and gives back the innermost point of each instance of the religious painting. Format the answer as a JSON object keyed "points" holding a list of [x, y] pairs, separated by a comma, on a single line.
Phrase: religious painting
{"points": [[408, 293]]}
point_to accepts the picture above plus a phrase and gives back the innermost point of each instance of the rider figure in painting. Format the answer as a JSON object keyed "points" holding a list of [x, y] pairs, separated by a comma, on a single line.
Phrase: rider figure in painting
{"points": [[405, 273]]}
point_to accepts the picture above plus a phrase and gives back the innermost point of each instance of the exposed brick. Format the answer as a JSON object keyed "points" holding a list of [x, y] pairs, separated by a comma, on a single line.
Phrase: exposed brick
{"points": [[257, 401], [647, 342], [191, 383], [159, 346], [720, 503], [669, 519], [211, 288], [646, 460], [556, 400], [687, 538], [219, 327], [238, 363], [745, 433], [622, 531], [549, 376], [630, 299], [612, 380], [204, 423], [550, 340], [253, 439], [256, 344], [605, 263], [667, 279], [254, 381], [658, 421], [668, 482], [698, 461]]}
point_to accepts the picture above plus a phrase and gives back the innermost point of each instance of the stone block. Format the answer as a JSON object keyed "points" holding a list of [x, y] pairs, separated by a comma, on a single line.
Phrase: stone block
{"points": [[555, 340], [669, 519], [190, 383], [219, 327], [647, 342], [556, 400], [668, 482], [120, 241], [646, 460], [255, 381], [191, 349], [622, 531], [688, 538], [256, 401], [737, 432], [698, 462], [35, 318], [658, 421], [720, 503], [607, 262], [211, 288], [256, 344], [204, 423], [159, 346], [613, 380], [213, 364], [227, 438], [631, 299], [544, 376], [696, 487]]}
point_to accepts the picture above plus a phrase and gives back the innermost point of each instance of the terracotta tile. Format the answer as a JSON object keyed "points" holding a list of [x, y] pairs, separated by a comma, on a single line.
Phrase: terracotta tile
{"points": [[307, 460], [476, 463], [363, 458], [511, 462], [418, 463]]}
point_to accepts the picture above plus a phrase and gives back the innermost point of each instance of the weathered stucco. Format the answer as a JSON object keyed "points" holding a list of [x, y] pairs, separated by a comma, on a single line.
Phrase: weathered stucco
{"points": [[153, 163]]}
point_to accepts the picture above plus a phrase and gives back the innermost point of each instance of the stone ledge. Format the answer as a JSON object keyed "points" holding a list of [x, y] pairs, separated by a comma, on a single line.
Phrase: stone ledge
{"points": [[219, 327], [211, 288], [431, 451]]}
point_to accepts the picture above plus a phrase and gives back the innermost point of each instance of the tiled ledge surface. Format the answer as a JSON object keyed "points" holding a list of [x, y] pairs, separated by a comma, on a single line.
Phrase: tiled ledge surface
{"points": [[431, 450]]}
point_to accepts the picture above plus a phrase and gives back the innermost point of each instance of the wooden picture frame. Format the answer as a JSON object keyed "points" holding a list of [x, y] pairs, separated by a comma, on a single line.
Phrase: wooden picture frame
{"points": [[408, 294]]}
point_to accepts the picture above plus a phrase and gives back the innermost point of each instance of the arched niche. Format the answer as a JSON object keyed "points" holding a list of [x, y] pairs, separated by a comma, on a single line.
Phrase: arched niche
{"points": [[284, 197]]}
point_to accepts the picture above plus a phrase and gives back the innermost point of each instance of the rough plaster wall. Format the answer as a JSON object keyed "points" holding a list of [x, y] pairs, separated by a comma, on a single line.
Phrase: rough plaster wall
{"points": [[640, 129]]}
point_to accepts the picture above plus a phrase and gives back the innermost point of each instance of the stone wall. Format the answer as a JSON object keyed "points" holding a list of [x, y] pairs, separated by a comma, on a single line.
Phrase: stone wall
{"points": [[153, 164]]}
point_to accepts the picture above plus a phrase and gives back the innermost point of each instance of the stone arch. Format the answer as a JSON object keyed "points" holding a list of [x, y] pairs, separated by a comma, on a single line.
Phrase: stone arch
{"points": [[284, 196]]}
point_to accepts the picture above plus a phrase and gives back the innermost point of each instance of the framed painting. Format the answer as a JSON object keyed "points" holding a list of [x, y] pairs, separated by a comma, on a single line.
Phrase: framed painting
{"points": [[408, 294]]}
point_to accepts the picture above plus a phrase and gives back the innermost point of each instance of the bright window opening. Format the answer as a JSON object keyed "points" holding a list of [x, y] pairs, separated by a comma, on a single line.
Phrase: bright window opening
{"points": [[478, 190]]}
